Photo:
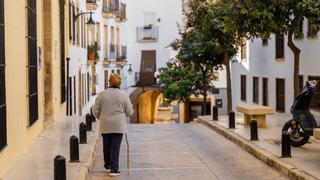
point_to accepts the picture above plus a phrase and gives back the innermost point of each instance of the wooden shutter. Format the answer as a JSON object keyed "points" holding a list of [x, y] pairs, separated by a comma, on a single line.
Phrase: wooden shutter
{"points": [[3, 109], [280, 95], [279, 46], [256, 90], [265, 91], [243, 87], [32, 61], [148, 67]]}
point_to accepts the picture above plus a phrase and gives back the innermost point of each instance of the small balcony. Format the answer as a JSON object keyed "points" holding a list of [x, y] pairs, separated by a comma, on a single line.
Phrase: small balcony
{"points": [[121, 15], [91, 5], [112, 52], [110, 8], [148, 33]]}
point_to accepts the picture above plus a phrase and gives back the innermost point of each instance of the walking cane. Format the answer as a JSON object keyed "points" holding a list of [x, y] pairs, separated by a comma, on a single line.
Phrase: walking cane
{"points": [[128, 153]]}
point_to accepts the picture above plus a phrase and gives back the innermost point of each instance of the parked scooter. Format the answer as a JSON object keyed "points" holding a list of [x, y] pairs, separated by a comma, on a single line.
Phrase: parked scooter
{"points": [[303, 123]]}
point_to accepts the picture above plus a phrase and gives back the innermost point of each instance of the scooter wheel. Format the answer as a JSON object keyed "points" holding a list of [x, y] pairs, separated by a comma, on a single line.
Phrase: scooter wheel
{"points": [[298, 138]]}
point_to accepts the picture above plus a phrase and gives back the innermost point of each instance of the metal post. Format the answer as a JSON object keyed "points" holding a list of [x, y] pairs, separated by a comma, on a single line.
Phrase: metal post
{"points": [[254, 130], [215, 113], [83, 133], [89, 122], [74, 149], [59, 168], [232, 121], [285, 145]]}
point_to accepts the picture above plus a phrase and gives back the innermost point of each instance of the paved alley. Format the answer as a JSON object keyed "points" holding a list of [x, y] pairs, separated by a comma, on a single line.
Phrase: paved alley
{"points": [[188, 152]]}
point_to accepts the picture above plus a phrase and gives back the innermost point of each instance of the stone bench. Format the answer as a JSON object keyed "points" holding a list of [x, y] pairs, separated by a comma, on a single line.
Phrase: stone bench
{"points": [[256, 112], [316, 133]]}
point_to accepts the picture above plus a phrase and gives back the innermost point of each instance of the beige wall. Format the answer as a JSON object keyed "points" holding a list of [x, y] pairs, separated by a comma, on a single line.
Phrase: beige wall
{"points": [[19, 136], [148, 105]]}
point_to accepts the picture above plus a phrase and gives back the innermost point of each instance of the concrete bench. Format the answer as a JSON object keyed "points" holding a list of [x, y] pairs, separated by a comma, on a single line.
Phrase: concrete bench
{"points": [[316, 133], [256, 112]]}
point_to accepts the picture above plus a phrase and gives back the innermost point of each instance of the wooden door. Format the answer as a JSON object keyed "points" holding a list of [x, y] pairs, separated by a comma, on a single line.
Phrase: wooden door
{"points": [[280, 95], [148, 67]]}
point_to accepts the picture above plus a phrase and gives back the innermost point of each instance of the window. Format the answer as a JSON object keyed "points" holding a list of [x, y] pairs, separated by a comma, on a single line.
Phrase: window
{"points": [[265, 41], [62, 52], [301, 83], [265, 92], [77, 29], [312, 29], [243, 88], [106, 75], [3, 109], [255, 90], [244, 48], [112, 35], [70, 22], [279, 46], [88, 87], [32, 61], [105, 42], [280, 95], [74, 94], [299, 33], [73, 24]]}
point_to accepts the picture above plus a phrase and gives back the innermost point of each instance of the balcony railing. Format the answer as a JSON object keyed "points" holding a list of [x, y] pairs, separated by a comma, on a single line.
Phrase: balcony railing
{"points": [[110, 8], [121, 15], [92, 5], [148, 33], [112, 51]]}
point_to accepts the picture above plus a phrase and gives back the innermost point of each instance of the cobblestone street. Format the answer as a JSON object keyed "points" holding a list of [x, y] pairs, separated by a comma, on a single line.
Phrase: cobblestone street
{"points": [[190, 151]]}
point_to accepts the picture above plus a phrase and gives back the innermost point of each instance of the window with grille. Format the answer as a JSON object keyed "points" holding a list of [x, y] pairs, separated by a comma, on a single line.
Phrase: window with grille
{"points": [[32, 61], [3, 113], [299, 33], [265, 41], [244, 49], [313, 29], [255, 90], [279, 46], [243, 87], [280, 95], [265, 91], [88, 87], [70, 22], [73, 25], [62, 52]]}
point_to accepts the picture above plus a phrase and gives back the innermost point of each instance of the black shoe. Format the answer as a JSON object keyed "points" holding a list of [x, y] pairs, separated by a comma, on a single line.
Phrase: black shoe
{"points": [[114, 173], [108, 167]]}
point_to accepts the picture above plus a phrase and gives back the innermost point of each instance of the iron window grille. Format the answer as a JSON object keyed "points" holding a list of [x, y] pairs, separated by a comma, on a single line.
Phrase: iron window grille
{"points": [[256, 90], [243, 87], [32, 61], [279, 46]]}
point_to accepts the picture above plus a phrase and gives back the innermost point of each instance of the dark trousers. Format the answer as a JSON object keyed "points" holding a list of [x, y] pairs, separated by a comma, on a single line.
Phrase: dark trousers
{"points": [[111, 150]]}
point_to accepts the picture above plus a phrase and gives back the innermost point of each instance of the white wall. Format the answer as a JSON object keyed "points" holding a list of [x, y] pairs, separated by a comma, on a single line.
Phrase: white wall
{"points": [[170, 13], [261, 62]]}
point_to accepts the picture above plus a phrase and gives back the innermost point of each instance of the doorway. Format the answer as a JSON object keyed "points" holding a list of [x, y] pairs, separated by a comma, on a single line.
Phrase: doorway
{"points": [[148, 67]]}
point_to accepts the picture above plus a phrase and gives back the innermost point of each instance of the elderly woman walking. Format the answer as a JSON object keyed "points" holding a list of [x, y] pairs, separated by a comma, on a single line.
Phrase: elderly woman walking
{"points": [[111, 107]]}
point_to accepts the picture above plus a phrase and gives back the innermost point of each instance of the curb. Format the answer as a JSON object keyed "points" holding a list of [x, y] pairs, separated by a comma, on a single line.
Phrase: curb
{"points": [[270, 159], [87, 161]]}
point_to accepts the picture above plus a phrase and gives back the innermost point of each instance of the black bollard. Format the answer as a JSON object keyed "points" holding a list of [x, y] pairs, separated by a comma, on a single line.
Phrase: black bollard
{"points": [[83, 133], [74, 149], [254, 130], [232, 120], [215, 113], [59, 168], [89, 122], [285, 145], [93, 119]]}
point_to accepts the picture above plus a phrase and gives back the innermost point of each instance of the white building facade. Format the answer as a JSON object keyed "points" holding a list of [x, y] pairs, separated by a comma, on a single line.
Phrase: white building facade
{"points": [[264, 73], [152, 26]]}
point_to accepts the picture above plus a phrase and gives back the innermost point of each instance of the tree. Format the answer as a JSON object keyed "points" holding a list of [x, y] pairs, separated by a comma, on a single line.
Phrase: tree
{"points": [[260, 18], [212, 19], [199, 58]]}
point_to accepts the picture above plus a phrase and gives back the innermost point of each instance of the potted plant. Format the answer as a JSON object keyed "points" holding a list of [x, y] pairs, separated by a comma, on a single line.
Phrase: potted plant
{"points": [[93, 52]]}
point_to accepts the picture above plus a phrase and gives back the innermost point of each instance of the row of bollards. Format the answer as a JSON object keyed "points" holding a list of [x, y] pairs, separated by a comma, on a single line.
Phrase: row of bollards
{"points": [[60, 161], [285, 138]]}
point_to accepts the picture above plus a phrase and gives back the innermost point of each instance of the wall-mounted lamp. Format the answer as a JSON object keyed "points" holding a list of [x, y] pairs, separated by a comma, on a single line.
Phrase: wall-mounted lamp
{"points": [[90, 22], [130, 68]]}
